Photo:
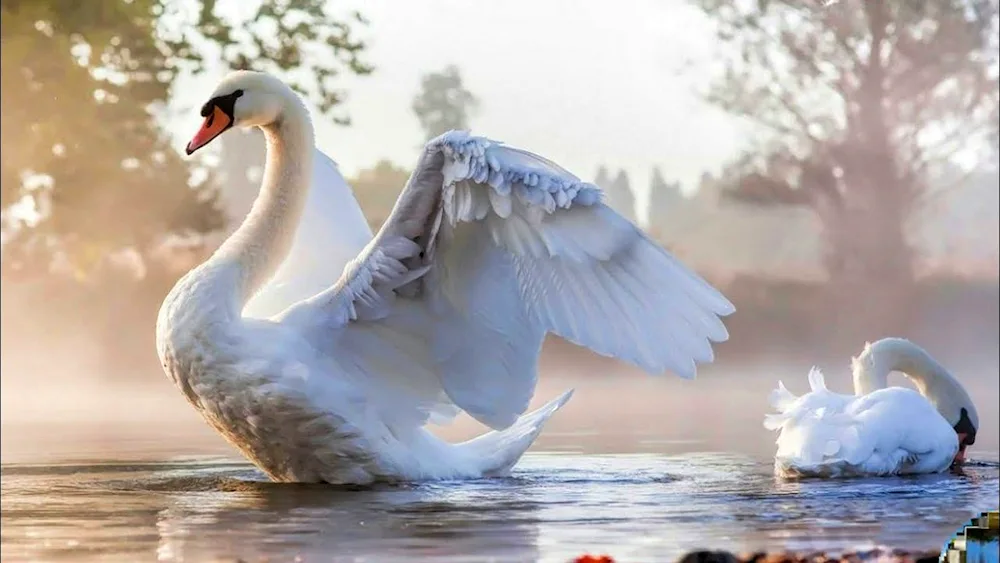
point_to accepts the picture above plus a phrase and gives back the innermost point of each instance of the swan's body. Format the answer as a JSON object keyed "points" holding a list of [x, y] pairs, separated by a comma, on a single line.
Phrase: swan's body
{"points": [[879, 430], [444, 310]]}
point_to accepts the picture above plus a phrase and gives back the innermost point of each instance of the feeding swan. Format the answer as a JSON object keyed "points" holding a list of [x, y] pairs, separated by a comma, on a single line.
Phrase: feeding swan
{"points": [[879, 430]]}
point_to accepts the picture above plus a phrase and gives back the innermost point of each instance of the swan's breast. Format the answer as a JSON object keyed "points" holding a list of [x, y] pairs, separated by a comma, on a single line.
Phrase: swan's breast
{"points": [[267, 393], [282, 429], [198, 323]]}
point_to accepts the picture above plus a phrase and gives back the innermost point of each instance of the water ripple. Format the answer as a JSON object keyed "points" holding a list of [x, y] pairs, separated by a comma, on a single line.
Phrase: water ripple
{"points": [[641, 507]]}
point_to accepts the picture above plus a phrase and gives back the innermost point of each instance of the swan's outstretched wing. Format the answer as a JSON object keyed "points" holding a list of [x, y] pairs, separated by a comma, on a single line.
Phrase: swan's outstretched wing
{"points": [[488, 249], [332, 232]]}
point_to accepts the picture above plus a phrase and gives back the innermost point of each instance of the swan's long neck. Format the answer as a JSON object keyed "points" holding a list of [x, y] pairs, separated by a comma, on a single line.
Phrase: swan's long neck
{"points": [[250, 256], [872, 368], [264, 239], [206, 305]]}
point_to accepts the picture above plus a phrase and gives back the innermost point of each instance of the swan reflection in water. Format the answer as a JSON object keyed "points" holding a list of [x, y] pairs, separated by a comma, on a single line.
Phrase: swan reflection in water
{"points": [[637, 507], [245, 516]]}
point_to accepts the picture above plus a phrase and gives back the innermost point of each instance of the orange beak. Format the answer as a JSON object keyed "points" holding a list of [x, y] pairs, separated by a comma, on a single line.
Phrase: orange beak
{"points": [[214, 125], [960, 456]]}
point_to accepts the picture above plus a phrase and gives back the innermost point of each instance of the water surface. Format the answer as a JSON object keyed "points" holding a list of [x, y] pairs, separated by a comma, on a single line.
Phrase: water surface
{"points": [[92, 472], [640, 507]]}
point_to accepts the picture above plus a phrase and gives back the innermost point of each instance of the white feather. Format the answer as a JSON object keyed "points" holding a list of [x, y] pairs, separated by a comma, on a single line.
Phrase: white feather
{"points": [[889, 431], [331, 215], [524, 248]]}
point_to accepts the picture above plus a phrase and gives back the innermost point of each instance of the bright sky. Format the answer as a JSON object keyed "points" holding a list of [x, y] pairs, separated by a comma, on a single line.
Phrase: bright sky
{"points": [[582, 82]]}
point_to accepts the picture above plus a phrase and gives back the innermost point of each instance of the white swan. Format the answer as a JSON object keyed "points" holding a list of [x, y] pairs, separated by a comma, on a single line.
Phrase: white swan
{"points": [[879, 430], [487, 249]]}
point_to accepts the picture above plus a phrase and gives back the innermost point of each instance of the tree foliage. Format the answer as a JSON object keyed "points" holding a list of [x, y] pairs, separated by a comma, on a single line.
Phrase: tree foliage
{"points": [[82, 85], [603, 178], [279, 37], [665, 198], [377, 189], [443, 102], [620, 196], [859, 104]]}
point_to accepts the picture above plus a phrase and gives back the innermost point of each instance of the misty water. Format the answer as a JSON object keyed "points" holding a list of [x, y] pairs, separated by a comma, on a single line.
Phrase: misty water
{"points": [[639, 507], [116, 473]]}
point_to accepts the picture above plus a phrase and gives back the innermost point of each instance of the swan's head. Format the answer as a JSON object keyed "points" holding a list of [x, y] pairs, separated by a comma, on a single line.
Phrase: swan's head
{"points": [[242, 99], [871, 370], [965, 420]]}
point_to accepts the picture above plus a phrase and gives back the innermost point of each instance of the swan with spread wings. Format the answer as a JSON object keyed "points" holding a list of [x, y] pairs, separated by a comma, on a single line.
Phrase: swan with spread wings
{"points": [[322, 352]]}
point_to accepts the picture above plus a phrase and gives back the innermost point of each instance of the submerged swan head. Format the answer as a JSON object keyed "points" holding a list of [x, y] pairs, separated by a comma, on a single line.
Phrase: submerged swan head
{"points": [[871, 371], [242, 99]]}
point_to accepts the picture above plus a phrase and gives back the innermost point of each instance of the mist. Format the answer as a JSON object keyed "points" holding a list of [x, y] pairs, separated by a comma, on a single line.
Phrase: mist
{"points": [[96, 232]]}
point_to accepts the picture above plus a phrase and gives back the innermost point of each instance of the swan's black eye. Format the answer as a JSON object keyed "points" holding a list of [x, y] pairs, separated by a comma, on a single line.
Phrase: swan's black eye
{"points": [[237, 93]]}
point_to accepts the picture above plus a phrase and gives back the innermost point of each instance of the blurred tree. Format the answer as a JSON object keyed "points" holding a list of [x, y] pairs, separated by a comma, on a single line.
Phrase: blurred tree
{"points": [[82, 82], [657, 182], [377, 189], [664, 197], [620, 196], [603, 177], [857, 103], [443, 103]]}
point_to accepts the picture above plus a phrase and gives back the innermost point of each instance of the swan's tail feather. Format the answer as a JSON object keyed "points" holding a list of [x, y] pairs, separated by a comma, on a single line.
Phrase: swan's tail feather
{"points": [[782, 399], [774, 421], [820, 441], [821, 448], [816, 380], [818, 434], [500, 450]]}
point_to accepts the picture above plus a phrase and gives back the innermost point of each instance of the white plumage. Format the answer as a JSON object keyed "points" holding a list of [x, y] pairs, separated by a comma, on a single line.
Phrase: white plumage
{"points": [[332, 231], [487, 249], [879, 430]]}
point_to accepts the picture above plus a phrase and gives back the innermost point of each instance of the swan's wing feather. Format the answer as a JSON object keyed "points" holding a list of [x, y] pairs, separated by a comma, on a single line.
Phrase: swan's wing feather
{"points": [[366, 289], [816, 380], [513, 246], [332, 215]]}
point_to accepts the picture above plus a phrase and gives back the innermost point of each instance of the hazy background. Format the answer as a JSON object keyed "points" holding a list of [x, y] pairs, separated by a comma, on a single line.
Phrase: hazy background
{"points": [[833, 169]]}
